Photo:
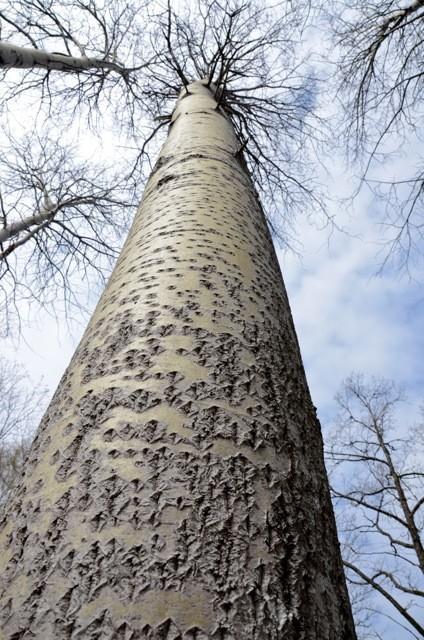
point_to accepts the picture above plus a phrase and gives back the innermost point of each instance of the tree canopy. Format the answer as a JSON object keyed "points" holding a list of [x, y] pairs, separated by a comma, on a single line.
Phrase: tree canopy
{"points": [[118, 67]]}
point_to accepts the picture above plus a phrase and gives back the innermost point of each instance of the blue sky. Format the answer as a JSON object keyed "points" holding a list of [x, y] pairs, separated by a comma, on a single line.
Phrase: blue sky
{"points": [[347, 316]]}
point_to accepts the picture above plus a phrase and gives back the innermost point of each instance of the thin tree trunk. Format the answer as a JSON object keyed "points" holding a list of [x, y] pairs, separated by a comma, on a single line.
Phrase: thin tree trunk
{"points": [[14, 228], [176, 488], [14, 56], [412, 527]]}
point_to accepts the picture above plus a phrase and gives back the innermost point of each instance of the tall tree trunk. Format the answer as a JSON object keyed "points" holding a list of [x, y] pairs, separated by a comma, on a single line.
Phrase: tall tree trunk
{"points": [[176, 488]]}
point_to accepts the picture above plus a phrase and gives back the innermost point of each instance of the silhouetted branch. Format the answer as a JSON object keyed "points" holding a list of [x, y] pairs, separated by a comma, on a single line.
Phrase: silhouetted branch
{"points": [[60, 216], [378, 481], [372, 582], [381, 79]]}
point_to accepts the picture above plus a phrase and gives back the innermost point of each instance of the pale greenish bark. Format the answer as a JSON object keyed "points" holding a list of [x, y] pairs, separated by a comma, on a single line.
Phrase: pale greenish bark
{"points": [[176, 488]]}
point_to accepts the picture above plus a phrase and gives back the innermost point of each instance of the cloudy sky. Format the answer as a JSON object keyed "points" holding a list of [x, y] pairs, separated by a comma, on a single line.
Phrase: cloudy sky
{"points": [[349, 315]]}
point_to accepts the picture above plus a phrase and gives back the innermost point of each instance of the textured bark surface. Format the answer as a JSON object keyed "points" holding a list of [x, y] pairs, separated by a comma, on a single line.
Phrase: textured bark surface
{"points": [[176, 488]]}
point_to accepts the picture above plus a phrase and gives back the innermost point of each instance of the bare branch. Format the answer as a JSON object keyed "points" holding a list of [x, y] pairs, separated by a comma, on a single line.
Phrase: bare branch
{"points": [[381, 80], [371, 580], [61, 216], [380, 477]]}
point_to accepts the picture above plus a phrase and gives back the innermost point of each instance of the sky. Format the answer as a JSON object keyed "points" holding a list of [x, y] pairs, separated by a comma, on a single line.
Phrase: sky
{"points": [[348, 315]]}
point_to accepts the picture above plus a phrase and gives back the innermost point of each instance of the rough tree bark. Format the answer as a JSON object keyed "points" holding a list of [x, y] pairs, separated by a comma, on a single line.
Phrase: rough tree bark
{"points": [[176, 488]]}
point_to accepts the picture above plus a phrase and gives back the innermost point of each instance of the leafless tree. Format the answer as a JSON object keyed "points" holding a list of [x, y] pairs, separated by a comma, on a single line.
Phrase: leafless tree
{"points": [[123, 63], [381, 76], [377, 479], [61, 217], [12, 460], [20, 406]]}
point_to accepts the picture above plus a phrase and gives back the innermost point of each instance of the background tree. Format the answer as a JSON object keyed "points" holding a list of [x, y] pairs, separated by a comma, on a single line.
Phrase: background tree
{"points": [[93, 46], [381, 82], [64, 210], [12, 461], [63, 219], [20, 404], [377, 483]]}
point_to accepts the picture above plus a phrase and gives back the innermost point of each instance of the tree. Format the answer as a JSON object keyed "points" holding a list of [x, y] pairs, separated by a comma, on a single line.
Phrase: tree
{"points": [[19, 413], [176, 486], [378, 485], [12, 460], [62, 219], [381, 80], [92, 38], [63, 60]]}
